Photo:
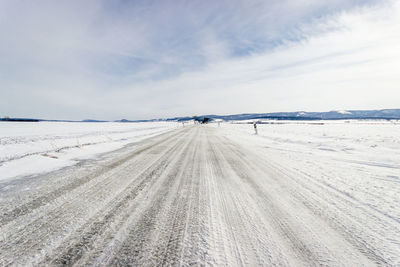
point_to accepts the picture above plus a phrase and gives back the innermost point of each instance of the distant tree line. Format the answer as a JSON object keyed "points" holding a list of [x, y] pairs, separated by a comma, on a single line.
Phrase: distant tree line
{"points": [[6, 118]]}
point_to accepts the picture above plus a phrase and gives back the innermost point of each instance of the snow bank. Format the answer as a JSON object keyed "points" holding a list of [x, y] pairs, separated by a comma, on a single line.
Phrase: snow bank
{"points": [[28, 148]]}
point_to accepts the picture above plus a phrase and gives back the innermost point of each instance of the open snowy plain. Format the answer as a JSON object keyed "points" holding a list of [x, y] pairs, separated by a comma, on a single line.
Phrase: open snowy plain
{"points": [[297, 194], [28, 148]]}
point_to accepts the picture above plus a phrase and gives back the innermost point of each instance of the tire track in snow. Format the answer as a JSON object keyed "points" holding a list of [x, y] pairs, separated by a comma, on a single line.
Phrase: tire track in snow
{"points": [[331, 230], [119, 206], [185, 198], [60, 217], [37, 202]]}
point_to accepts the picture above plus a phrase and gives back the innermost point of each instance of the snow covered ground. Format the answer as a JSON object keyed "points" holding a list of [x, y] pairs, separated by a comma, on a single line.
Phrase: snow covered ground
{"points": [[368, 143], [28, 148], [371, 147], [320, 193], [360, 159]]}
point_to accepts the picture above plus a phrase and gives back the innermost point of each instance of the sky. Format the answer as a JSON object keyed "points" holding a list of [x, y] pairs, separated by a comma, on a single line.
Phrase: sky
{"points": [[100, 59]]}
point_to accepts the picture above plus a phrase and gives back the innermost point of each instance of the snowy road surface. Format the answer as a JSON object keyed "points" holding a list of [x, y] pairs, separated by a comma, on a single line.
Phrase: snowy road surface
{"points": [[193, 196]]}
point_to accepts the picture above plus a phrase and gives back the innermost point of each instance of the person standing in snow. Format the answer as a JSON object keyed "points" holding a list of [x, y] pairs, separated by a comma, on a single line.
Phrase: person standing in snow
{"points": [[255, 127]]}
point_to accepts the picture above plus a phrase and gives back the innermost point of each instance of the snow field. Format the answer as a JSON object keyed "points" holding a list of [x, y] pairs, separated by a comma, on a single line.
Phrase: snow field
{"points": [[28, 148], [297, 194]]}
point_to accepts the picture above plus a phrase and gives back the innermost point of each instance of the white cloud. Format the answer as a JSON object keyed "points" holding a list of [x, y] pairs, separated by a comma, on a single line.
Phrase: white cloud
{"points": [[354, 66], [81, 60]]}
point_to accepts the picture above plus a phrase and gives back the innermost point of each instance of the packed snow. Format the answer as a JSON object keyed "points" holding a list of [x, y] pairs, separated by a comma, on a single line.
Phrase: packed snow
{"points": [[298, 193], [28, 148], [360, 159]]}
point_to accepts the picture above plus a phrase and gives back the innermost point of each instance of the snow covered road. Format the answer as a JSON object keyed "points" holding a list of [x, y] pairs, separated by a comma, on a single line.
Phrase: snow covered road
{"points": [[192, 196]]}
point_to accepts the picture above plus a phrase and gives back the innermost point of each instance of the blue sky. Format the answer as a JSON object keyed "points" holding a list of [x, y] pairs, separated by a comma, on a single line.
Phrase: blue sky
{"points": [[147, 59]]}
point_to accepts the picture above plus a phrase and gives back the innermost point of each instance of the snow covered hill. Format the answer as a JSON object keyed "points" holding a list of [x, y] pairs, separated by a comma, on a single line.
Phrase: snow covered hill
{"points": [[303, 115]]}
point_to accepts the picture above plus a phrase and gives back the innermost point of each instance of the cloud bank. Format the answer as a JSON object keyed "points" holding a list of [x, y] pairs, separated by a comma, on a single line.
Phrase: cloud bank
{"points": [[129, 59]]}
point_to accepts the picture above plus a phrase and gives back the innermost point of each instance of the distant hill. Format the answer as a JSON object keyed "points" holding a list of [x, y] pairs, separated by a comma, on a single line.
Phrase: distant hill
{"points": [[89, 120], [19, 119], [384, 114], [387, 114]]}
